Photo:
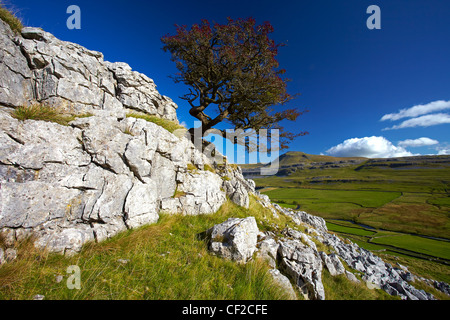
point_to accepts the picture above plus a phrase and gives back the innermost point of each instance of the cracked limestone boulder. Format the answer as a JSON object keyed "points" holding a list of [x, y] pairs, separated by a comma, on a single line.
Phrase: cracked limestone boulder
{"points": [[234, 239], [332, 263], [304, 265]]}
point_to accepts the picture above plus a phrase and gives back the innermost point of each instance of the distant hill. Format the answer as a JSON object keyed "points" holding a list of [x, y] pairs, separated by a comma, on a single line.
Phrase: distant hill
{"points": [[295, 160], [297, 157], [292, 161]]}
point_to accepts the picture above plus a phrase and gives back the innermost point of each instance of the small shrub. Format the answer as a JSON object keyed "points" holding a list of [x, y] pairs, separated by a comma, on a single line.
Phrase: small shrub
{"points": [[11, 19]]}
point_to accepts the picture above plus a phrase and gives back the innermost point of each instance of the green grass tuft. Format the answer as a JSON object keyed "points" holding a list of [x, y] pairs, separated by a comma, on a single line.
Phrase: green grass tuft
{"points": [[170, 126], [44, 113], [11, 19]]}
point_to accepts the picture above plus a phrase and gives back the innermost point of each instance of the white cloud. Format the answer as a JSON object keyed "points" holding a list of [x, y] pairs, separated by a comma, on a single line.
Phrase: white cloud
{"points": [[420, 142], [418, 110], [444, 152], [423, 121], [369, 147]]}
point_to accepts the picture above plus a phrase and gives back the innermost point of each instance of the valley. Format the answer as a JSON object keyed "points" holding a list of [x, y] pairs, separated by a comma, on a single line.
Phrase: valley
{"points": [[397, 207]]}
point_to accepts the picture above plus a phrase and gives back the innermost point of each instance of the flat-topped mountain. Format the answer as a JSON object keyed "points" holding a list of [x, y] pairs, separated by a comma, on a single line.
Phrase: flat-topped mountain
{"points": [[293, 161]]}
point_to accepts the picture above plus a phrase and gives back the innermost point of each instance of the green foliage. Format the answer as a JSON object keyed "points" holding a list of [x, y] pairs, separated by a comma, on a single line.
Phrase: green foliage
{"points": [[44, 113], [170, 126], [10, 18], [405, 200]]}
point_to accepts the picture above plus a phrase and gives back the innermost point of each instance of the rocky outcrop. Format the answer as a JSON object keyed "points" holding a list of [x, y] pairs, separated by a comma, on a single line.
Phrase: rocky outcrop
{"points": [[37, 67], [234, 239], [101, 174], [97, 177], [295, 255]]}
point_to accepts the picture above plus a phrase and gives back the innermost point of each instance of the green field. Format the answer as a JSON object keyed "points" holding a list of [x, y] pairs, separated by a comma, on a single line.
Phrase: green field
{"points": [[426, 246], [384, 208], [406, 200]]}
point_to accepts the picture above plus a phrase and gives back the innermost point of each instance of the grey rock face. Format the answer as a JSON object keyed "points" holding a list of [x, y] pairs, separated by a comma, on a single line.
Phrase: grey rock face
{"points": [[234, 239], [304, 265], [333, 263], [99, 176], [16, 86], [283, 282], [36, 66], [237, 187]]}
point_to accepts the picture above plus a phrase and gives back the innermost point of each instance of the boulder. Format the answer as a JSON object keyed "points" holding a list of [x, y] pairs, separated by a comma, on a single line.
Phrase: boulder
{"points": [[332, 263], [284, 283], [304, 265], [267, 250], [234, 239]]}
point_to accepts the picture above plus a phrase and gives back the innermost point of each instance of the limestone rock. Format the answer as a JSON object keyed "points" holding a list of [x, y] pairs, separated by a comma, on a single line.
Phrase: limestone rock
{"points": [[304, 265], [203, 194], [234, 239], [16, 87], [267, 250], [141, 206], [333, 263], [284, 283], [36, 66]]}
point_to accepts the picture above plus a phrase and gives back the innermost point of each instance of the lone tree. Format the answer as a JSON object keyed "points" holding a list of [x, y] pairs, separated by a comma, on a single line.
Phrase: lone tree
{"points": [[232, 72]]}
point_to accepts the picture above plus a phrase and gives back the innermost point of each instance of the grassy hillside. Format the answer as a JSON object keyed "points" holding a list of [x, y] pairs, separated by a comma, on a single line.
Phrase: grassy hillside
{"points": [[405, 199], [164, 261]]}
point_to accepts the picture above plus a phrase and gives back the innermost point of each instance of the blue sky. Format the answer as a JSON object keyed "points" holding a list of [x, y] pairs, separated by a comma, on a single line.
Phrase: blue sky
{"points": [[349, 77]]}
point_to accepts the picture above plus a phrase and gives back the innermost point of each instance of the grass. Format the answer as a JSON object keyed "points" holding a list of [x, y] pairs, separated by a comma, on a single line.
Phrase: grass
{"points": [[207, 167], [168, 260], [340, 288], [42, 112], [400, 204], [11, 19], [170, 126], [332, 203], [426, 246], [406, 200]]}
